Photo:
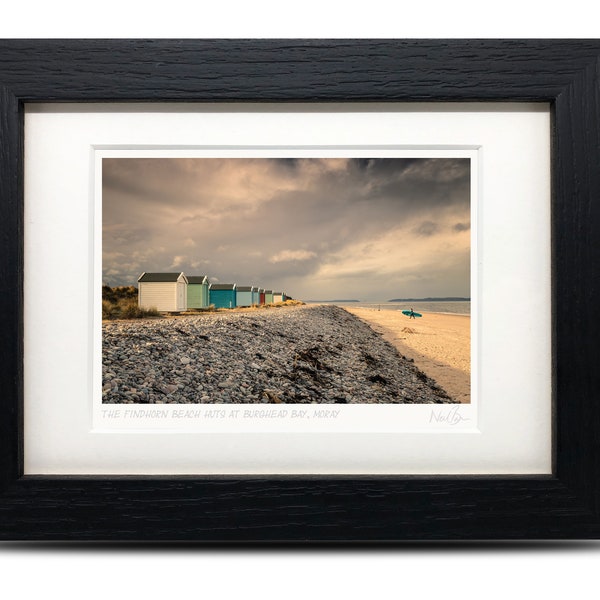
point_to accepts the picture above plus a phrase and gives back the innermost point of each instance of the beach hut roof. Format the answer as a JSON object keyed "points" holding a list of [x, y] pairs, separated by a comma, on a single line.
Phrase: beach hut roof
{"points": [[196, 278], [268, 291], [223, 286], [244, 288], [160, 277]]}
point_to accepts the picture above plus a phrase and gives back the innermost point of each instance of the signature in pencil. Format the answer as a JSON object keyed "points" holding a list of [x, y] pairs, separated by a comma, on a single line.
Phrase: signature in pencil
{"points": [[450, 416]]}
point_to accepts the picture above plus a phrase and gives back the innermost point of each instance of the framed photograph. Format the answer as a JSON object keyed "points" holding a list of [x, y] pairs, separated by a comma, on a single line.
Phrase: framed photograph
{"points": [[299, 290], [308, 226]]}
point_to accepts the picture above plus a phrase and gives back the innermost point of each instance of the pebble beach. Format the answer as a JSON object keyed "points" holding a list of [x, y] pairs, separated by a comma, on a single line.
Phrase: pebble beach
{"points": [[289, 355]]}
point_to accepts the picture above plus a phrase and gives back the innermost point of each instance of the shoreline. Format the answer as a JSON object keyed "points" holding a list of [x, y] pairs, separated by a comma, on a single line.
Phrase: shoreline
{"points": [[439, 343]]}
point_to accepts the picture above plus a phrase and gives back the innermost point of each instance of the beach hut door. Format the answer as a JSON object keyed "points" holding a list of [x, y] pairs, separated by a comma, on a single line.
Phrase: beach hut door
{"points": [[181, 297]]}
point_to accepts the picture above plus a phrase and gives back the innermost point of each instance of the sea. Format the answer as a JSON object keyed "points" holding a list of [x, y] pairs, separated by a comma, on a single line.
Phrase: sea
{"points": [[455, 307]]}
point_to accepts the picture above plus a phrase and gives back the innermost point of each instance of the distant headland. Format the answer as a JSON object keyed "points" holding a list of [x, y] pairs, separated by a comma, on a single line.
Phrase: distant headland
{"points": [[447, 299]]}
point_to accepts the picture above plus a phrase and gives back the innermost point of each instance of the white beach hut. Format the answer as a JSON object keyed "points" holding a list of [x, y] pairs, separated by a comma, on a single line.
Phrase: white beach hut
{"points": [[164, 291]]}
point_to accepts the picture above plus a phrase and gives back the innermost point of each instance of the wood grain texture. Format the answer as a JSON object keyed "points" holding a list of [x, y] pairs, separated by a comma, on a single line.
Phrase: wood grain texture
{"points": [[11, 287], [295, 509], [323, 509], [576, 214], [290, 70]]}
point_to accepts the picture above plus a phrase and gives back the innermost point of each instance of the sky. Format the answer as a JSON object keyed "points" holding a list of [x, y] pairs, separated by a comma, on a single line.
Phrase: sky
{"points": [[368, 229]]}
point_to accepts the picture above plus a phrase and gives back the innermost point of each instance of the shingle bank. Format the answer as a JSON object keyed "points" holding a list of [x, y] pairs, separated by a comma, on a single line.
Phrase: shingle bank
{"points": [[303, 354]]}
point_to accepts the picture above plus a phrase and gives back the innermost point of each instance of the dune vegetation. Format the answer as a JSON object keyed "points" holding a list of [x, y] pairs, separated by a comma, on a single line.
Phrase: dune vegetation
{"points": [[122, 303]]}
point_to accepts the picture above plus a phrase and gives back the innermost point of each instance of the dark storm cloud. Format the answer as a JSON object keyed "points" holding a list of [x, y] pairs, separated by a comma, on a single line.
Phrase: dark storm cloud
{"points": [[306, 223], [384, 167], [426, 228], [462, 227], [433, 184]]}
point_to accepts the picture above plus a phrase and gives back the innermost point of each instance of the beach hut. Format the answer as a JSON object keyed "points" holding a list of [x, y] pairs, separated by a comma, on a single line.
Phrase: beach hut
{"points": [[277, 296], [243, 295], [223, 295], [166, 292], [197, 291], [255, 296], [261, 295], [268, 296]]}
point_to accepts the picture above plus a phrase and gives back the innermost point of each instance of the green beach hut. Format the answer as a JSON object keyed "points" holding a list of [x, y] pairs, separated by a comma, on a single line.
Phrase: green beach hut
{"points": [[197, 291]]}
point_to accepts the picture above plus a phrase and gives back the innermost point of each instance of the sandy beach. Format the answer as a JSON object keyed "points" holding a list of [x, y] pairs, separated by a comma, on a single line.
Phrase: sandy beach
{"points": [[440, 345]]}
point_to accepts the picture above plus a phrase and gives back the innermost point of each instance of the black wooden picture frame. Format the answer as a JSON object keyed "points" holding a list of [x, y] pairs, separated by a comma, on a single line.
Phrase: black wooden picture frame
{"points": [[563, 505]]}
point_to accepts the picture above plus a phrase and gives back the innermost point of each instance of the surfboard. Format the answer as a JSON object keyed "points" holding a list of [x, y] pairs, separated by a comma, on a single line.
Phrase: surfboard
{"points": [[407, 313]]}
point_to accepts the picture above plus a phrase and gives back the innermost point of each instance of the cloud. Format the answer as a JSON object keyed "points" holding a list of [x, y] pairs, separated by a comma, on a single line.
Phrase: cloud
{"points": [[177, 262], [299, 224], [292, 255], [426, 228]]}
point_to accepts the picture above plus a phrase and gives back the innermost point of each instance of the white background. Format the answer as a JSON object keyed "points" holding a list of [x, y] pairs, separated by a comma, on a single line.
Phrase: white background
{"points": [[496, 572]]}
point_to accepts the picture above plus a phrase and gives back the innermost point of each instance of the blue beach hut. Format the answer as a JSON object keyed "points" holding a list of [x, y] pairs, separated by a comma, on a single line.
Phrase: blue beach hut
{"points": [[243, 295], [223, 295]]}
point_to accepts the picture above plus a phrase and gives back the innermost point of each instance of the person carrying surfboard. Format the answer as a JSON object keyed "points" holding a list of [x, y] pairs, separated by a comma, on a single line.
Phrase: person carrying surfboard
{"points": [[412, 314]]}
